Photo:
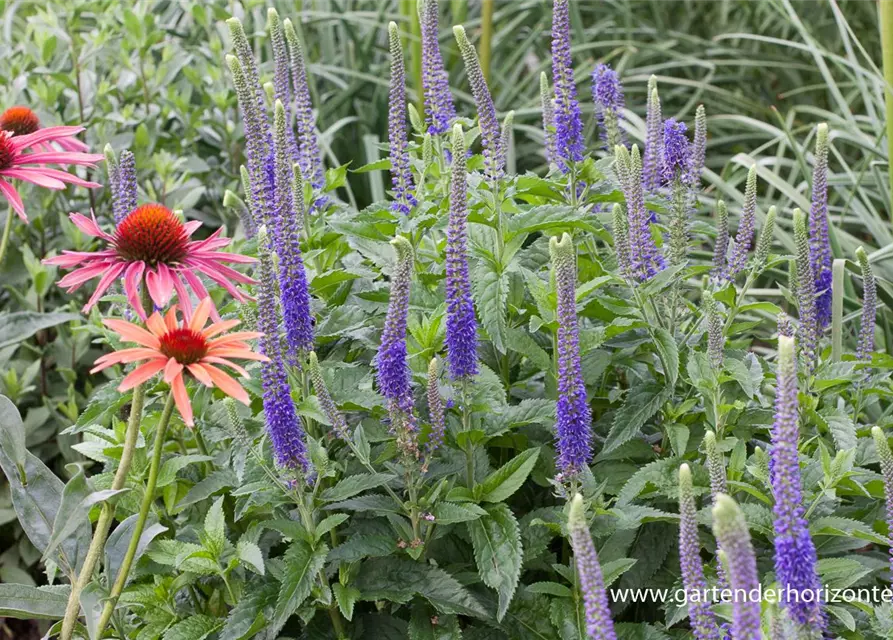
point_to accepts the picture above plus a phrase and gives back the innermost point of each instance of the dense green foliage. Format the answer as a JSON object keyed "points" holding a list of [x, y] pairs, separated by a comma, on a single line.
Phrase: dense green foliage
{"points": [[475, 546]]}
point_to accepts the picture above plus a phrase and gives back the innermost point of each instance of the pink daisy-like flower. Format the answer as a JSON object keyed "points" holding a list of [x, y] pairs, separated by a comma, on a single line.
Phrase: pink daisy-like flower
{"points": [[176, 348], [20, 161], [20, 121], [152, 243]]}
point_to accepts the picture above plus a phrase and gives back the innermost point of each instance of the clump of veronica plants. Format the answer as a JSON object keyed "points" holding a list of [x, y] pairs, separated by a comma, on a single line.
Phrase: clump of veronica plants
{"points": [[489, 404]]}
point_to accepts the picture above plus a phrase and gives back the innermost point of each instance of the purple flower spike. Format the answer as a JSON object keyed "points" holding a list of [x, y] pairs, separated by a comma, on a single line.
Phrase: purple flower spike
{"points": [[746, 225], [599, 625], [435, 409], [730, 529], [795, 555], [721, 248], [401, 172], [568, 122], [886, 458], [548, 103], [122, 180], [806, 294], [869, 307], [439, 109], [308, 156], [325, 398], [703, 623], [461, 328], [676, 162], [282, 422], [654, 143], [573, 417], [294, 292], [716, 466], [699, 147], [607, 94], [819, 243], [491, 132], [394, 376], [645, 259]]}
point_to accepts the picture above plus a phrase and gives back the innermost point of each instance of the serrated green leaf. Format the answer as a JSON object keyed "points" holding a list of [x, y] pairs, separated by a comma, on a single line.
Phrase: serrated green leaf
{"points": [[172, 466], [195, 627], [502, 483], [398, 579], [251, 556], [451, 512], [374, 502], [490, 291], [302, 564], [496, 540], [669, 355], [214, 537], [256, 597], [346, 597], [549, 217], [366, 546], [25, 602], [641, 403], [352, 485]]}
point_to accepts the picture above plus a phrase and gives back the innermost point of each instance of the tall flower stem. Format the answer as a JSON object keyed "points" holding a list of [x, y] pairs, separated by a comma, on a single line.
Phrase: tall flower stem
{"points": [[466, 428], [148, 499], [105, 516], [108, 510], [7, 229]]}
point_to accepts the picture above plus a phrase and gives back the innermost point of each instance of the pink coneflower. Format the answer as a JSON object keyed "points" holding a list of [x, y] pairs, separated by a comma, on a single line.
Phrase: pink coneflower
{"points": [[17, 155], [20, 121], [154, 243], [172, 347]]}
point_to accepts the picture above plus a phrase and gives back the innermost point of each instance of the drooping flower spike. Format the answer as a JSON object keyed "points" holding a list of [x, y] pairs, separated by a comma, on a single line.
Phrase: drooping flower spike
{"points": [[152, 243], [176, 348], [20, 121], [20, 160], [599, 625]]}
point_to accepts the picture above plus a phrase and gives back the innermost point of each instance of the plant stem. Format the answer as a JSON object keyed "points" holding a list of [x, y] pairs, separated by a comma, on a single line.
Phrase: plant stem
{"points": [[148, 499], [486, 46], [7, 229], [466, 427], [837, 273], [885, 8], [105, 517]]}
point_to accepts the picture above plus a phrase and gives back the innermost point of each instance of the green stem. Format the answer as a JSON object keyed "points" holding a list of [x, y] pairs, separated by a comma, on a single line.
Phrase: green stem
{"points": [[7, 229], [466, 428], [886, 19], [837, 273], [148, 499], [105, 517]]}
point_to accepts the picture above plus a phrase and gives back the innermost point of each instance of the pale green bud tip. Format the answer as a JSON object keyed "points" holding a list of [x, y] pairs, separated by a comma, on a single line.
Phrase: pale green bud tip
{"points": [[110, 157], [822, 133], [272, 15], [799, 222], [458, 137], [785, 351], [544, 81], [433, 367], [727, 513], [461, 38], [878, 434], [752, 174], [403, 248], [562, 249], [685, 484], [279, 110], [576, 515], [393, 30], [617, 210], [314, 361], [654, 96], [234, 65], [710, 439], [861, 256]]}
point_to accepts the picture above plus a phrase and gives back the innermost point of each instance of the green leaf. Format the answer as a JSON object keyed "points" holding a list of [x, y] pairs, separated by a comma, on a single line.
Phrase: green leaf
{"points": [[497, 551], [520, 341], [214, 535], [105, 401], [841, 573], [641, 403], [346, 597], [257, 595], [491, 295], [616, 568], [376, 503], [656, 472], [119, 540], [12, 433], [549, 217], [17, 327], [172, 466], [451, 512], [195, 627], [503, 482], [25, 602], [302, 564], [398, 579], [329, 523], [251, 556], [352, 485], [669, 355], [365, 546], [551, 589]]}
